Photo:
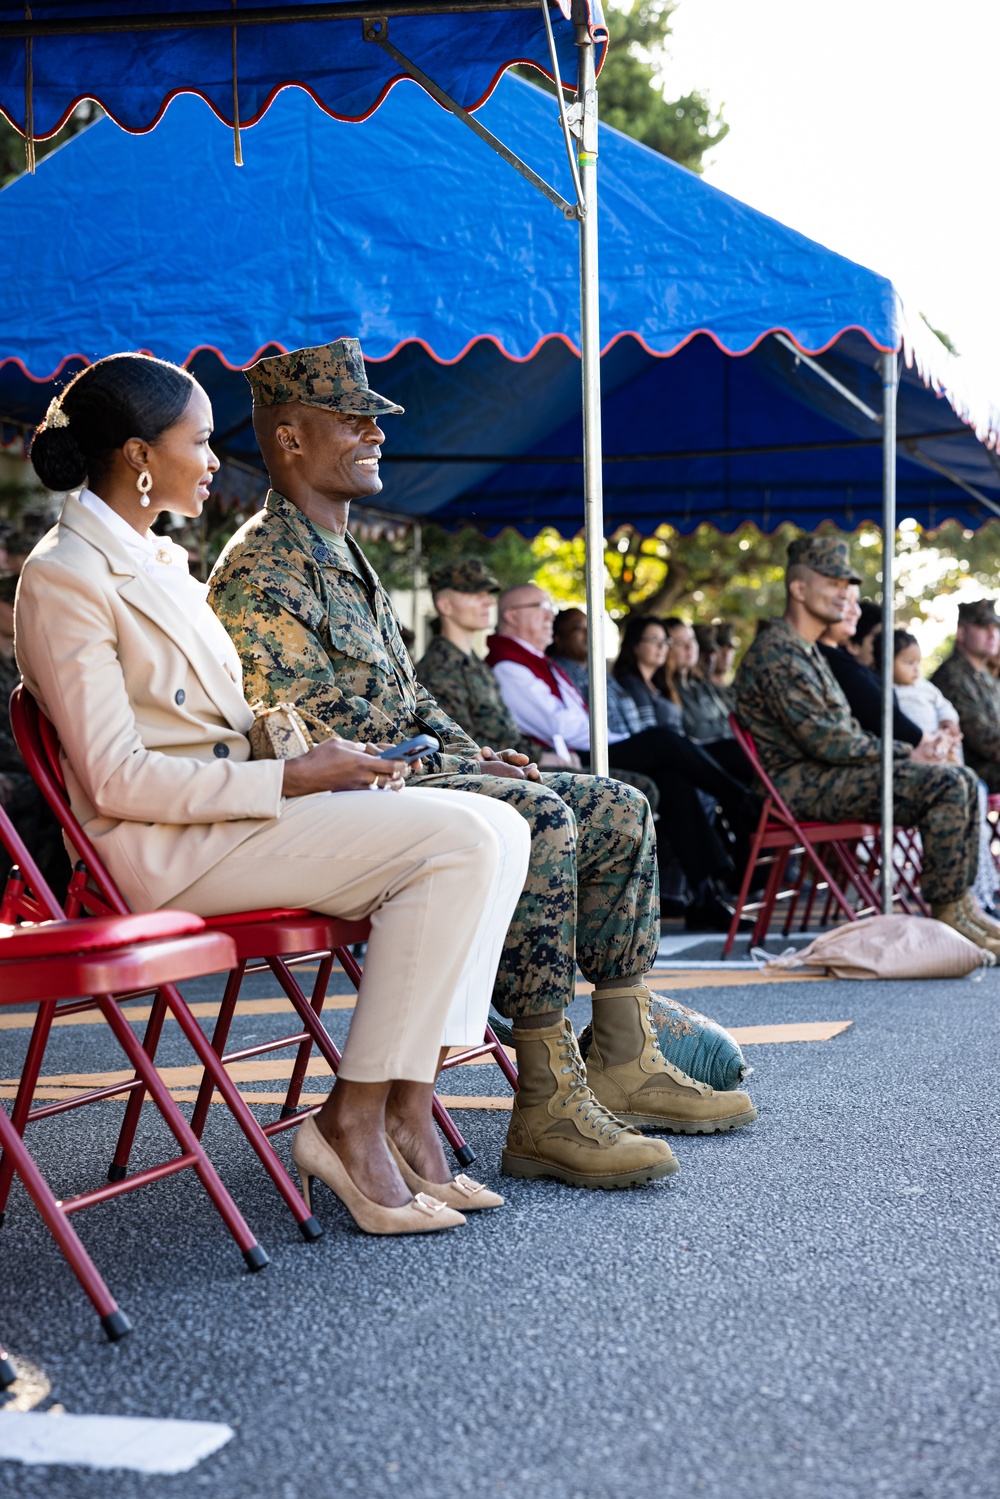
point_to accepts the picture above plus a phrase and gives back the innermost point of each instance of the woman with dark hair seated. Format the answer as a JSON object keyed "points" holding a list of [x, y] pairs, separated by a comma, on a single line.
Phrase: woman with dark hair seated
{"points": [[705, 709], [640, 702], [115, 640]]}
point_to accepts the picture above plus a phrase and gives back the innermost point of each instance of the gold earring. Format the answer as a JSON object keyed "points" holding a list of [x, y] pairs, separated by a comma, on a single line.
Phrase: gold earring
{"points": [[144, 484]]}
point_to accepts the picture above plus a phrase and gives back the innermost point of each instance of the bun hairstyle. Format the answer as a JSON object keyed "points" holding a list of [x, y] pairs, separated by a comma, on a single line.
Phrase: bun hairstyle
{"points": [[122, 396]]}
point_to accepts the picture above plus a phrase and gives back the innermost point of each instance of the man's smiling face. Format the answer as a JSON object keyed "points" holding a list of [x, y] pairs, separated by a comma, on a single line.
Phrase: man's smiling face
{"points": [[335, 453]]}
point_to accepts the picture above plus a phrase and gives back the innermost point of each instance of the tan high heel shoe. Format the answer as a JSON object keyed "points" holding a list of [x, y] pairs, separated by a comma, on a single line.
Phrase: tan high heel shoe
{"points": [[315, 1157], [461, 1192]]}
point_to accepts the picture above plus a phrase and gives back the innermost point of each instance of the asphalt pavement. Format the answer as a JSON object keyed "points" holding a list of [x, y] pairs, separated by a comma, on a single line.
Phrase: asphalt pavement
{"points": [[809, 1310]]}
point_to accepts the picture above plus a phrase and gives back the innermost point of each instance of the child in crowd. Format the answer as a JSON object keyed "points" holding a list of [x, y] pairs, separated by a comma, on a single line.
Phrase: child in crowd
{"points": [[919, 699], [931, 711]]}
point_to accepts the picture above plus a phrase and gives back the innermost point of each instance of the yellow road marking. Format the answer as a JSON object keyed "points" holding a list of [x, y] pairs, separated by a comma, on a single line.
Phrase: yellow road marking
{"points": [[23, 1020]]}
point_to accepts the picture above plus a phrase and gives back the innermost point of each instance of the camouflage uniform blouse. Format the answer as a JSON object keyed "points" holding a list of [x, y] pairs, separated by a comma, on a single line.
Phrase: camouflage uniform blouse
{"points": [[467, 690], [311, 631], [975, 696], [788, 698]]}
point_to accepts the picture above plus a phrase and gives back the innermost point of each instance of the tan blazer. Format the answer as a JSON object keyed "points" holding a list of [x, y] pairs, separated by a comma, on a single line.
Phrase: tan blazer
{"points": [[153, 727]]}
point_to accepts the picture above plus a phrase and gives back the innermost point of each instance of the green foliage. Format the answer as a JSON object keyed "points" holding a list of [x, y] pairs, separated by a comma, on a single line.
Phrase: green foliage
{"points": [[632, 98], [510, 557], [631, 92], [12, 159]]}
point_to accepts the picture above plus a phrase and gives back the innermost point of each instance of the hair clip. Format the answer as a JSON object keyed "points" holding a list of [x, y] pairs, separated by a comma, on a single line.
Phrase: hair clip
{"points": [[55, 416]]}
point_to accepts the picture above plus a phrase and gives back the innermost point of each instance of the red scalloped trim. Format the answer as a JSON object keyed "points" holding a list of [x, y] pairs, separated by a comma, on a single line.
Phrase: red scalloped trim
{"points": [[490, 338], [167, 100]]}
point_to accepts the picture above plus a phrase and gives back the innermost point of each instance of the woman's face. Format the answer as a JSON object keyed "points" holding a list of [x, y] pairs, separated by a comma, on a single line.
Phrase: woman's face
{"points": [[651, 651], [844, 628], [684, 645], [180, 461]]}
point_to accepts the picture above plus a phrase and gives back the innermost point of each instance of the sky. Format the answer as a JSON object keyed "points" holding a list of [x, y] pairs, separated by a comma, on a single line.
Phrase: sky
{"points": [[872, 127]]}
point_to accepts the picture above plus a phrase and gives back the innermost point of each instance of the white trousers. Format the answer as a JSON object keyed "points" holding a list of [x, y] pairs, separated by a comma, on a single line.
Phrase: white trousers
{"points": [[438, 873]]}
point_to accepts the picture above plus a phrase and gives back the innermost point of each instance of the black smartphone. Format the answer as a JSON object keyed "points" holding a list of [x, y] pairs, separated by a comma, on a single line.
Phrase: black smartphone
{"points": [[412, 749]]}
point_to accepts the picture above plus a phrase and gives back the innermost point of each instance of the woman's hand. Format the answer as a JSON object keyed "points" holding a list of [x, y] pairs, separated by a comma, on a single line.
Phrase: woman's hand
{"points": [[931, 750], [338, 765], [507, 763]]}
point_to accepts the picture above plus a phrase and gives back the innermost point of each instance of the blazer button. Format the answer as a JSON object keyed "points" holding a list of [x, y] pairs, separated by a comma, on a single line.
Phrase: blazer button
{"points": [[221, 751], [179, 696]]}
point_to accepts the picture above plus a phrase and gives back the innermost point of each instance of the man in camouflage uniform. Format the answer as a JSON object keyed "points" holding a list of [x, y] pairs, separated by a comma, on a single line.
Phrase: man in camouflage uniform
{"points": [[827, 767], [464, 686], [313, 625], [973, 692]]}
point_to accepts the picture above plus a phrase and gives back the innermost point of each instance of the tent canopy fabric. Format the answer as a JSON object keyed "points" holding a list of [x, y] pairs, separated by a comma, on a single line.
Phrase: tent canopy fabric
{"points": [[462, 283], [133, 73]]}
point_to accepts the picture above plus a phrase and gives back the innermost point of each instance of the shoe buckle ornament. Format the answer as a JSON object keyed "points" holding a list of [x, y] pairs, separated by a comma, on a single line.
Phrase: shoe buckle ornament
{"points": [[466, 1184], [424, 1203]]}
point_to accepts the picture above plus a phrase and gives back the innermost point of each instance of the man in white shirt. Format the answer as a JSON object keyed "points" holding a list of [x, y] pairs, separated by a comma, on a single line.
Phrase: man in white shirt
{"points": [[548, 707]]}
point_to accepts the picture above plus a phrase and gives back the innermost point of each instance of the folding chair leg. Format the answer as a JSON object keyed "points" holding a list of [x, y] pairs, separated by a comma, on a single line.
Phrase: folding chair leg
{"points": [[298, 1077], [26, 1093], [113, 1320], [118, 1169], [253, 1254], [748, 873], [8, 1369], [220, 1036], [769, 898], [308, 1226]]}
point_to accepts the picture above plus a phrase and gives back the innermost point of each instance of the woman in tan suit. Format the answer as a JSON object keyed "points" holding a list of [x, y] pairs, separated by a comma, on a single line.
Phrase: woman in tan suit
{"points": [[115, 640]]}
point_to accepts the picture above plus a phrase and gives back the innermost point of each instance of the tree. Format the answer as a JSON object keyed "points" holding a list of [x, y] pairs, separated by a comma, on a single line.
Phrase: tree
{"points": [[631, 90], [12, 158], [632, 97]]}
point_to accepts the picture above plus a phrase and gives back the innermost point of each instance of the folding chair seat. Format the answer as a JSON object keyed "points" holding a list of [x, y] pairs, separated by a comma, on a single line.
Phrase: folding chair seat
{"points": [[273, 939], [49, 964], [778, 835]]}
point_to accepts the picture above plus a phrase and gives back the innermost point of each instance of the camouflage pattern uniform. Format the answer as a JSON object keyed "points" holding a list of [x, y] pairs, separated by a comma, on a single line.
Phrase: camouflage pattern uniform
{"points": [[465, 687], [827, 768], [975, 696], [311, 631]]}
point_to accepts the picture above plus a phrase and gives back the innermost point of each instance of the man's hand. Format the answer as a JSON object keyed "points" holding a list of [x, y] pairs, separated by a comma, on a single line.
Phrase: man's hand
{"points": [[507, 763], [338, 765], [932, 750]]}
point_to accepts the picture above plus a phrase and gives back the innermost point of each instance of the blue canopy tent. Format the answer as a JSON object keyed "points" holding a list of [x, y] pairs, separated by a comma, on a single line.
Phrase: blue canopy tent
{"points": [[332, 231]]}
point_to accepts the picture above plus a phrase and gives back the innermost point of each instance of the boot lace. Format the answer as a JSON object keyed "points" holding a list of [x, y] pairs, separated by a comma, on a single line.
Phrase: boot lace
{"points": [[595, 1115]]}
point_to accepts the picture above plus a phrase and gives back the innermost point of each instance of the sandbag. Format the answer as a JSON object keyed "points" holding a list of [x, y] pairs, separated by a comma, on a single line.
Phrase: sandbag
{"points": [[698, 1046], [694, 1043], [886, 947]]}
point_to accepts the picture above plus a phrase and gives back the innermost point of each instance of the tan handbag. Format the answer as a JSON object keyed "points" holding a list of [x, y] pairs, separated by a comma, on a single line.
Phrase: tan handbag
{"points": [[280, 732], [886, 947]]}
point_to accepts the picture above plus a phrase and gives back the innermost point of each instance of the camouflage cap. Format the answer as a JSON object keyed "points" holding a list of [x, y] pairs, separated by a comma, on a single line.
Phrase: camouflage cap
{"points": [[979, 612], [470, 576], [331, 375], [8, 587], [824, 554]]}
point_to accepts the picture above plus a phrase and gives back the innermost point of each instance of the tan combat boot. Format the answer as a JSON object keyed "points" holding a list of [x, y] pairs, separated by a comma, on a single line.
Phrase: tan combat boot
{"points": [[956, 914], [630, 1075], [978, 915], [558, 1129]]}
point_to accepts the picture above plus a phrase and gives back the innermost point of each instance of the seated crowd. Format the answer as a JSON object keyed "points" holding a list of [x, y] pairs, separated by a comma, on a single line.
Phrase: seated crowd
{"points": [[505, 864]]}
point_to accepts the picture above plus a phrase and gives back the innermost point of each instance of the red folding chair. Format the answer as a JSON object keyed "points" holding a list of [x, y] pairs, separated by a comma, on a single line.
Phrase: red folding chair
{"points": [[272, 939], [778, 835], [52, 960]]}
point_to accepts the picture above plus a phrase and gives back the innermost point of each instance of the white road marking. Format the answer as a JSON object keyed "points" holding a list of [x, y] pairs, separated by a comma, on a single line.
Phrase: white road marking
{"points": [[135, 1443]]}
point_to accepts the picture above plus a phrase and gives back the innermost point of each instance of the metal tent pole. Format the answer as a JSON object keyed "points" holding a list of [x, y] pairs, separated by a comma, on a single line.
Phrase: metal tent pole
{"points": [[890, 385], [418, 578], [590, 341]]}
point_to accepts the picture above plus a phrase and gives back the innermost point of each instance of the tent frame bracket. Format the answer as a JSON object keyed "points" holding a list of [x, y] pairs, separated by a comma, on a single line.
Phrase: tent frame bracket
{"points": [[817, 369], [375, 28]]}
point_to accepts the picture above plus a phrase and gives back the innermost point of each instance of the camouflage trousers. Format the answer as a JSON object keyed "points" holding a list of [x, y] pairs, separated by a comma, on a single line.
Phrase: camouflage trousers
{"points": [[592, 894], [941, 800]]}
